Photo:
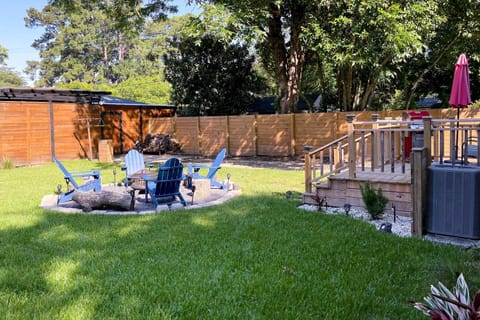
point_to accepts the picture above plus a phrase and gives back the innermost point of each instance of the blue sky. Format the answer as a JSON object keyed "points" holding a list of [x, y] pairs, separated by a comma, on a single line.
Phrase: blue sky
{"points": [[18, 39]]}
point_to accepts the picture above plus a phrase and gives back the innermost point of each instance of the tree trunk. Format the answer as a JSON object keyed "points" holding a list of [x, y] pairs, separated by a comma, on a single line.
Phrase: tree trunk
{"points": [[345, 84], [349, 86], [372, 82], [296, 61], [277, 45], [88, 201], [371, 85], [321, 78], [105, 55], [289, 63], [121, 48]]}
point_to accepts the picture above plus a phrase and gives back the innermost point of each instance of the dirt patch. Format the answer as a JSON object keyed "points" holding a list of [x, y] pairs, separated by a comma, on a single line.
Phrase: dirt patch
{"points": [[246, 162]]}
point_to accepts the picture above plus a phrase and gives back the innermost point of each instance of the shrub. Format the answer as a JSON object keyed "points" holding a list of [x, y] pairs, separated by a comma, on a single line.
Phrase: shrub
{"points": [[375, 201], [444, 304]]}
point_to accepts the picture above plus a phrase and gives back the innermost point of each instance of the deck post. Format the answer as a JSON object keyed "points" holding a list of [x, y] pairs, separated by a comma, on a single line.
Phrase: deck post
{"points": [[337, 156], [419, 165], [376, 142], [308, 169], [352, 154], [453, 134], [427, 138]]}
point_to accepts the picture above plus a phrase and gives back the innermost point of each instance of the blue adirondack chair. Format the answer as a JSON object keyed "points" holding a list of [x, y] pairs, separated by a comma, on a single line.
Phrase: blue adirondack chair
{"points": [[167, 183], [91, 180], [194, 170], [134, 165]]}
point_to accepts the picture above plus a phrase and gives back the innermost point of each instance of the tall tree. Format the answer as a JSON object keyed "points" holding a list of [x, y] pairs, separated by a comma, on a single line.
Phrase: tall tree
{"points": [[76, 46], [125, 14], [211, 77], [8, 77], [281, 23], [361, 39], [366, 41], [90, 41], [457, 30]]}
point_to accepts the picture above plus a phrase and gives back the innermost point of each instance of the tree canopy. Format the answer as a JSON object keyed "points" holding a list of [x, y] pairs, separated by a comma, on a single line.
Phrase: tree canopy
{"points": [[3, 55], [8, 77], [211, 77], [358, 54], [90, 44], [279, 26], [366, 42]]}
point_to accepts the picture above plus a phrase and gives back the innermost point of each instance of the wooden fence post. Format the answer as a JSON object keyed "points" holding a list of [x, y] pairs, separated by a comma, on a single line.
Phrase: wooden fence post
{"points": [[352, 154], [293, 142], [227, 133], [174, 127], [199, 136], [419, 165]]}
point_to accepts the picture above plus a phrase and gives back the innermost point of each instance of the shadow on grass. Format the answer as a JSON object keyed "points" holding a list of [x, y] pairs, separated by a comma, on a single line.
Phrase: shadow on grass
{"points": [[255, 256]]}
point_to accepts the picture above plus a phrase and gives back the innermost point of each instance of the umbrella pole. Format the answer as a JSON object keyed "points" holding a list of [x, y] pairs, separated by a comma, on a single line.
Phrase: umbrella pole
{"points": [[456, 134]]}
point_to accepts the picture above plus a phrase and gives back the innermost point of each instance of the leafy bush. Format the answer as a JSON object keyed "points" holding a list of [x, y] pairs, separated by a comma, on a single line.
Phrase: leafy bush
{"points": [[375, 201], [443, 304], [475, 105]]}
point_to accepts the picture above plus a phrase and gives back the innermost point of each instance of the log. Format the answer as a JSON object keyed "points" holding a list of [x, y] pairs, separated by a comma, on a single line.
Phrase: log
{"points": [[115, 200], [158, 143]]}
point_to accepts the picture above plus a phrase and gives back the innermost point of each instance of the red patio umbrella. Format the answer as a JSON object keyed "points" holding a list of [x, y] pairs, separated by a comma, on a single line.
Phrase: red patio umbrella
{"points": [[460, 94]]}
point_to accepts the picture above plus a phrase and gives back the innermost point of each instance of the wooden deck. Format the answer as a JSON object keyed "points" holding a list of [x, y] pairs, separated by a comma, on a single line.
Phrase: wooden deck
{"points": [[339, 189]]}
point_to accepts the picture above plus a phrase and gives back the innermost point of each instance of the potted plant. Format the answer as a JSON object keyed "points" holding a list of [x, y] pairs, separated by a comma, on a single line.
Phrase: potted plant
{"points": [[445, 304]]}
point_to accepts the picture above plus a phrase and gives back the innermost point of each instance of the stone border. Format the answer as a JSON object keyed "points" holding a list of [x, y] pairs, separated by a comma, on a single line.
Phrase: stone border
{"points": [[49, 202]]}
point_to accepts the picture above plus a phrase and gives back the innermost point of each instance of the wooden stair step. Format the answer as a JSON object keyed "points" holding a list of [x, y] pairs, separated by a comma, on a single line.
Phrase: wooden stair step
{"points": [[324, 184]]}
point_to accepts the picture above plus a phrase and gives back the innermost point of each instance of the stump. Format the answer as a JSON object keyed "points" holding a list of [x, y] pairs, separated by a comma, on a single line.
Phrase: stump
{"points": [[202, 188], [115, 200]]}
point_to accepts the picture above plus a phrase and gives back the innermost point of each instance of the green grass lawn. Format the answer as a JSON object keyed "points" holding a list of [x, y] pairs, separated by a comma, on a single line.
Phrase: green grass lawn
{"points": [[254, 257]]}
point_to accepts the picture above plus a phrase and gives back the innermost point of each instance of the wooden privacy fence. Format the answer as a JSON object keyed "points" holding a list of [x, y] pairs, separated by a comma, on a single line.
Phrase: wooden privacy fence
{"points": [[282, 135], [253, 135], [31, 131]]}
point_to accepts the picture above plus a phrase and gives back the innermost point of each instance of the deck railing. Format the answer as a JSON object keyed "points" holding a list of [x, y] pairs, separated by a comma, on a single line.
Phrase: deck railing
{"points": [[385, 145]]}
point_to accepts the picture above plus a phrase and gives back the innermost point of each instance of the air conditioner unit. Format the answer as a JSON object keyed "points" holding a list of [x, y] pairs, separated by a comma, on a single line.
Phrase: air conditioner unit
{"points": [[454, 200]]}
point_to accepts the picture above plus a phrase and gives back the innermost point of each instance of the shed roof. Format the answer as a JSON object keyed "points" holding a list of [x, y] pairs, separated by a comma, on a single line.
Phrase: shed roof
{"points": [[108, 100], [51, 94]]}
